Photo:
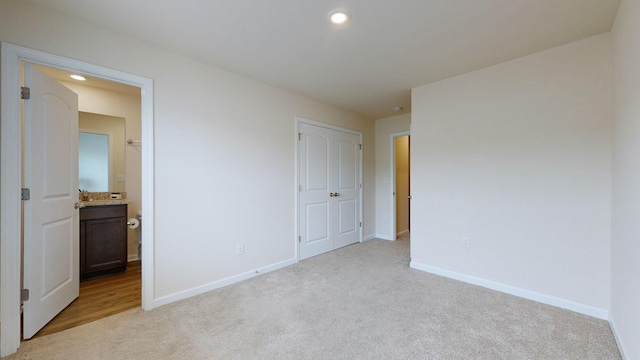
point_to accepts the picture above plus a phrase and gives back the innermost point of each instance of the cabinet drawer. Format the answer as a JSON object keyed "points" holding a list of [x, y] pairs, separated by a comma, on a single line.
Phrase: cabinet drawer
{"points": [[103, 212]]}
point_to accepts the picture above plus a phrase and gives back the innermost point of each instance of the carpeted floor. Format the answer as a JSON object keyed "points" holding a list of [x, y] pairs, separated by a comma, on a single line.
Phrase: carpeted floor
{"points": [[359, 302]]}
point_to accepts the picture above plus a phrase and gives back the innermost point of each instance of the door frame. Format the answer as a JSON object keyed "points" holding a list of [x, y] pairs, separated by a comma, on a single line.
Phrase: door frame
{"points": [[298, 121], [394, 230], [11, 178]]}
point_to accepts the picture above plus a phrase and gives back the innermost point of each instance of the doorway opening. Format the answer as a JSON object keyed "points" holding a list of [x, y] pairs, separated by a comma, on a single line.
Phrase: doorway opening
{"points": [[12, 58], [401, 158], [109, 113]]}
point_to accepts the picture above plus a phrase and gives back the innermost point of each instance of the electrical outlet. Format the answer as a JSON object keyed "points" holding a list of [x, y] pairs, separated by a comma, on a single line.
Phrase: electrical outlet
{"points": [[240, 249], [466, 242]]}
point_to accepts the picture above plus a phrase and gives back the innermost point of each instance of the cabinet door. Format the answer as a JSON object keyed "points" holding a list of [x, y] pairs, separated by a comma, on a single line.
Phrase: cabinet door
{"points": [[83, 236], [105, 245]]}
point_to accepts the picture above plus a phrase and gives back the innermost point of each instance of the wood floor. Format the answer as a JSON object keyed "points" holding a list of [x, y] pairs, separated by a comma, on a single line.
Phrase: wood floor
{"points": [[100, 298]]}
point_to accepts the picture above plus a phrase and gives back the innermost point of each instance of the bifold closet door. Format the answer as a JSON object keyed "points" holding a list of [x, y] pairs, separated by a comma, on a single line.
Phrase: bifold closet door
{"points": [[329, 178]]}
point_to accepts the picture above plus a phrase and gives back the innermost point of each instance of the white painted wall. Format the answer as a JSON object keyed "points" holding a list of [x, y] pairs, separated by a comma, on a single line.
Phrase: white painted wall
{"points": [[127, 106], [517, 157], [224, 152], [625, 256], [384, 128]]}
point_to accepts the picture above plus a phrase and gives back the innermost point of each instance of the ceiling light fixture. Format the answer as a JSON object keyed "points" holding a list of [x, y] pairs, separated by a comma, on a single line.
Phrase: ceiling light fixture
{"points": [[339, 16], [78, 77], [397, 108]]}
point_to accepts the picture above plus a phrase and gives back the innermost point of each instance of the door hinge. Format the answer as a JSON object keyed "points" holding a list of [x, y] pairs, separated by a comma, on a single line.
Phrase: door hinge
{"points": [[299, 238], [26, 194], [360, 146], [25, 93], [24, 295], [360, 223], [299, 136]]}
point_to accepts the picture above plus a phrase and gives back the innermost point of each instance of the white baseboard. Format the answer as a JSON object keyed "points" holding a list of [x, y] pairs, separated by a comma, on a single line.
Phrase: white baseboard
{"points": [[131, 258], [531, 295], [385, 237], [369, 237], [164, 300], [612, 324]]}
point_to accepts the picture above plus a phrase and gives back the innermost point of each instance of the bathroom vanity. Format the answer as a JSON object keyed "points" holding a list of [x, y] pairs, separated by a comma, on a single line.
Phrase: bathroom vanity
{"points": [[103, 240]]}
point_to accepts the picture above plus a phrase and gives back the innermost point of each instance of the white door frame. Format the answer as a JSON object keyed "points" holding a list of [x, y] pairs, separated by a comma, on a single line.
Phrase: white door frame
{"points": [[299, 120], [394, 230], [11, 178]]}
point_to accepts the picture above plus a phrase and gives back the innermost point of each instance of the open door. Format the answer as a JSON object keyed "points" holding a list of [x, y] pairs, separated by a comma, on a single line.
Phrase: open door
{"points": [[51, 229]]}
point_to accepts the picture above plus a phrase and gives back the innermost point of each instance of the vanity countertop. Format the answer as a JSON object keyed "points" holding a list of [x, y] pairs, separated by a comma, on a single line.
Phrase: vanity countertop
{"points": [[103, 202]]}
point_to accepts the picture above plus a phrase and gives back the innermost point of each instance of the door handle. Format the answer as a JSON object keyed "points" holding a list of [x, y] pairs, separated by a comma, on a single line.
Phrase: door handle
{"points": [[409, 197], [334, 194], [79, 205]]}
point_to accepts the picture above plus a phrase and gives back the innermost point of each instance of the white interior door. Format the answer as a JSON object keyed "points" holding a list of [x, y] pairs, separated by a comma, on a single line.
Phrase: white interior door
{"points": [[51, 228], [346, 199], [329, 178]]}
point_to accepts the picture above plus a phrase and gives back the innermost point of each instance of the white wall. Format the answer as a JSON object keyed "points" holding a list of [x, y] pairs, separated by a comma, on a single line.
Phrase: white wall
{"points": [[127, 106], [384, 213], [517, 157], [625, 257], [224, 151]]}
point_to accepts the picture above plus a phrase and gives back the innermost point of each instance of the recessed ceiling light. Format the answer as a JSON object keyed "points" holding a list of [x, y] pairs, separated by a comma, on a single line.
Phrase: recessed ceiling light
{"points": [[78, 77], [339, 16]]}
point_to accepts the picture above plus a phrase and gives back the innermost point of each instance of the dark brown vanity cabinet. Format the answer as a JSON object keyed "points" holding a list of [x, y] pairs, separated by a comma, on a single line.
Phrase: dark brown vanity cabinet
{"points": [[103, 240]]}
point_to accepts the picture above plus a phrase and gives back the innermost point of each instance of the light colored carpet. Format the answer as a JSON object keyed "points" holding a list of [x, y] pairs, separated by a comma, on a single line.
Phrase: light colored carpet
{"points": [[359, 302]]}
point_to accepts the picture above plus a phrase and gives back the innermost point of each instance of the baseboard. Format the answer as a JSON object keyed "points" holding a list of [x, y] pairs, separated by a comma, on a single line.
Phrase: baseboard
{"points": [[164, 300], [385, 237], [531, 295], [402, 233], [621, 347], [131, 258], [369, 237]]}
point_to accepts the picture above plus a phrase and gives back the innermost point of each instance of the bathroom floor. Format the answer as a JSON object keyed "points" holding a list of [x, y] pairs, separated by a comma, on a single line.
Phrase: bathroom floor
{"points": [[100, 298]]}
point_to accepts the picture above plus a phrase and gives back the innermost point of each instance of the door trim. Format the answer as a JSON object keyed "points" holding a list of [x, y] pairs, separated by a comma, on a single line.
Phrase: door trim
{"points": [[394, 230], [298, 121], [10, 178]]}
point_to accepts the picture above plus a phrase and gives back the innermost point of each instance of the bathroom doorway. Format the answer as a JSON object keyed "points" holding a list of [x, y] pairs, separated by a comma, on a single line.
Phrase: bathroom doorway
{"points": [[13, 57], [113, 111]]}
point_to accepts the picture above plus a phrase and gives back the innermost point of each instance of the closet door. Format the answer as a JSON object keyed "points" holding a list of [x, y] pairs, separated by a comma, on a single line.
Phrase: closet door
{"points": [[329, 178]]}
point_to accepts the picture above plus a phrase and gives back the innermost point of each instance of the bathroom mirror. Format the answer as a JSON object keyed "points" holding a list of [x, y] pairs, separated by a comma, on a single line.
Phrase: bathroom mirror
{"points": [[101, 148]]}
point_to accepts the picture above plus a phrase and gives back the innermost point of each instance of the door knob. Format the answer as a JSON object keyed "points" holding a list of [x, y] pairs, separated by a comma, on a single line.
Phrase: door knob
{"points": [[79, 205]]}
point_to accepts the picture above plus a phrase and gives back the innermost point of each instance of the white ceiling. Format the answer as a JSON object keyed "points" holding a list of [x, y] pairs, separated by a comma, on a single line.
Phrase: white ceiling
{"points": [[368, 66]]}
